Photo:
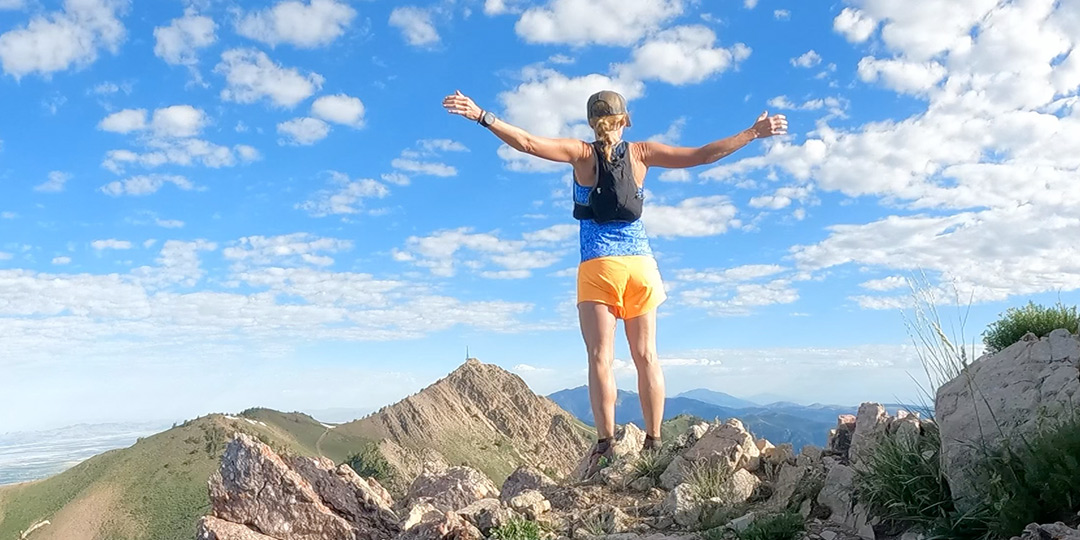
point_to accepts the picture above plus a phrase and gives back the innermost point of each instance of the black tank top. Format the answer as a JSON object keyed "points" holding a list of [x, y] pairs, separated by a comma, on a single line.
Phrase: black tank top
{"points": [[615, 196]]}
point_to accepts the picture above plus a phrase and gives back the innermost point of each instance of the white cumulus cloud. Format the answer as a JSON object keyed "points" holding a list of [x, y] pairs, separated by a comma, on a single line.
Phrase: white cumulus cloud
{"points": [[59, 40], [305, 25], [415, 25], [145, 185], [55, 184], [602, 22], [111, 243], [251, 75], [303, 131], [180, 41], [683, 55], [340, 109]]}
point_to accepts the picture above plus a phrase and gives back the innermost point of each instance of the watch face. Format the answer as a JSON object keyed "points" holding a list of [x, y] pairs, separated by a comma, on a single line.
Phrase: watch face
{"points": [[489, 118]]}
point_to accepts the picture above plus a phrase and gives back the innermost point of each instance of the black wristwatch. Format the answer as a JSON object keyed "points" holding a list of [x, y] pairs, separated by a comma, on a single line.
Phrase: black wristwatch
{"points": [[486, 118]]}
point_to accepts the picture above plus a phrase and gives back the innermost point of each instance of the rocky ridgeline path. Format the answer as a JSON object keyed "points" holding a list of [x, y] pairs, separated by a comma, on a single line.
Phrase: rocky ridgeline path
{"points": [[259, 495]]}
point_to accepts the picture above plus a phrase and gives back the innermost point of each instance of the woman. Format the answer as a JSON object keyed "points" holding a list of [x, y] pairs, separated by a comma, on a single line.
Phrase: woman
{"points": [[618, 277]]}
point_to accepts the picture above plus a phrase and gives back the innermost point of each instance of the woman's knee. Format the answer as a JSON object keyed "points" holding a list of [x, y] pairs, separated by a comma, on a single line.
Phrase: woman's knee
{"points": [[601, 357], [646, 359]]}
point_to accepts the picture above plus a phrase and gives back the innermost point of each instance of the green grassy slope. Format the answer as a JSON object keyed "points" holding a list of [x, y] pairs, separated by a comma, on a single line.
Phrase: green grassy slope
{"points": [[162, 479]]}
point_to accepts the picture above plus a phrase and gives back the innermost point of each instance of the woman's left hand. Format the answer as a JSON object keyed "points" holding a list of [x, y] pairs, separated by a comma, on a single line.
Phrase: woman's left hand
{"points": [[768, 126], [460, 104]]}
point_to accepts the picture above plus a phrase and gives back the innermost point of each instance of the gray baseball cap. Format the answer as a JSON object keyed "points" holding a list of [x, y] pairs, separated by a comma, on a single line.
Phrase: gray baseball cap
{"points": [[607, 103]]}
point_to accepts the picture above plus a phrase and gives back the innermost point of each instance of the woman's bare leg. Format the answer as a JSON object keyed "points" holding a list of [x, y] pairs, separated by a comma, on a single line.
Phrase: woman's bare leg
{"points": [[598, 329], [641, 333]]}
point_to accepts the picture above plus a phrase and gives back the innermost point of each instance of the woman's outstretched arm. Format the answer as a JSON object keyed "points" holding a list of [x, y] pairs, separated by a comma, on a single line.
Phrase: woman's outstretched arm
{"points": [[561, 150], [655, 154]]}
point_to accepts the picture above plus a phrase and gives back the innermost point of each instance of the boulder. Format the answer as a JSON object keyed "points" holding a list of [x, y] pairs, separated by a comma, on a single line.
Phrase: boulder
{"points": [[692, 435], [740, 487], [420, 513], [740, 524], [486, 514], [673, 474], [779, 455], [836, 494], [870, 425], [363, 503], [452, 489], [728, 443], [255, 487], [531, 503], [1054, 531], [787, 482], [524, 478], [448, 526], [683, 506], [1000, 398], [212, 528], [809, 455]]}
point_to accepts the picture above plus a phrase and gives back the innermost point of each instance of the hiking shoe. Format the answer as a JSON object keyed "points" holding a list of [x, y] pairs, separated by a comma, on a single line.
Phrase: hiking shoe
{"points": [[598, 459]]}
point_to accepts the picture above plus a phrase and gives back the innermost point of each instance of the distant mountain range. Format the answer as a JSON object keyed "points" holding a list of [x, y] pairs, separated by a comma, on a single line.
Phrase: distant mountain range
{"points": [[778, 422]]}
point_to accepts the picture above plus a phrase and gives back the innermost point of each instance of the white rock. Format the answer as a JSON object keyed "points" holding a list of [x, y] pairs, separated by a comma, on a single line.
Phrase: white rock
{"points": [[1018, 387]]}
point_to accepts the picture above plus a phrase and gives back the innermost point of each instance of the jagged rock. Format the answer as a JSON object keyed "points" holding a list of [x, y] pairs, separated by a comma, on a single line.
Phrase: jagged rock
{"points": [[763, 445], [809, 455], [364, 505], [657, 536], [839, 442], [728, 443], [453, 489], [524, 478], [1055, 531], [419, 513], [486, 514], [531, 503], [836, 494], [212, 528], [673, 474], [870, 424], [626, 446], [254, 486], [740, 486], [682, 505], [780, 455], [617, 474], [786, 484], [692, 435], [1003, 397], [642, 484], [449, 526]]}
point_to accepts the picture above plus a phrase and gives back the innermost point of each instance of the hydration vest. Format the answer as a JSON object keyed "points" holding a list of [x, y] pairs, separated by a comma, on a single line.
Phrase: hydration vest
{"points": [[615, 196]]}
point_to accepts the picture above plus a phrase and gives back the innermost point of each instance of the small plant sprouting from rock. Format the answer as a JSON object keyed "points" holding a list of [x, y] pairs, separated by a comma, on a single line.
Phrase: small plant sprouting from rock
{"points": [[651, 464], [517, 529], [787, 526], [1037, 319], [709, 480]]}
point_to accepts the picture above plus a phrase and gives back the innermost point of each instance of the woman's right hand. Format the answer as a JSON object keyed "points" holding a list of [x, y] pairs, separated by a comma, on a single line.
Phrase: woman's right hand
{"points": [[767, 126], [460, 104]]}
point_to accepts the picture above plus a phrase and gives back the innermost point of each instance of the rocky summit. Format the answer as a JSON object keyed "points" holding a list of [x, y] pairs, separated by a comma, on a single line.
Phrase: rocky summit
{"points": [[714, 477], [479, 415]]}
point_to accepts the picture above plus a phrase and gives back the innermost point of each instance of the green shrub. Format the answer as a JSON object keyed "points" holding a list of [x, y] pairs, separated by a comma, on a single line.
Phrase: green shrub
{"points": [[1039, 320], [1037, 480], [708, 480], [651, 464], [517, 529], [370, 463], [786, 526], [903, 482]]}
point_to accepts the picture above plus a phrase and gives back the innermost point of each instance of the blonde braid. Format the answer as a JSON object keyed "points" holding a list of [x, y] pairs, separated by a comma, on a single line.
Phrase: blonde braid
{"points": [[607, 131]]}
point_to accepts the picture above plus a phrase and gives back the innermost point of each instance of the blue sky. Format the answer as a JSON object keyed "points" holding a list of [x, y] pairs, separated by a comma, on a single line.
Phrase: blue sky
{"points": [[207, 205]]}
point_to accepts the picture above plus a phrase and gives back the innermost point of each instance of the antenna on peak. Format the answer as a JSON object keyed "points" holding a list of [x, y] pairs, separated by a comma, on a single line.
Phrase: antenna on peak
{"points": [[467, 352]]}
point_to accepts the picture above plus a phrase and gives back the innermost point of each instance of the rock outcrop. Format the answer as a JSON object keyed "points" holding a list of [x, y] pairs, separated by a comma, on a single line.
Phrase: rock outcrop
{"points": [[261, 493], [1001, 399]]}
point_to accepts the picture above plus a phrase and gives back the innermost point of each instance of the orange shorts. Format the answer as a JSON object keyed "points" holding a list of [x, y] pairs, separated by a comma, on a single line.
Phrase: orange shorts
{"points": [[630, 284]]}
